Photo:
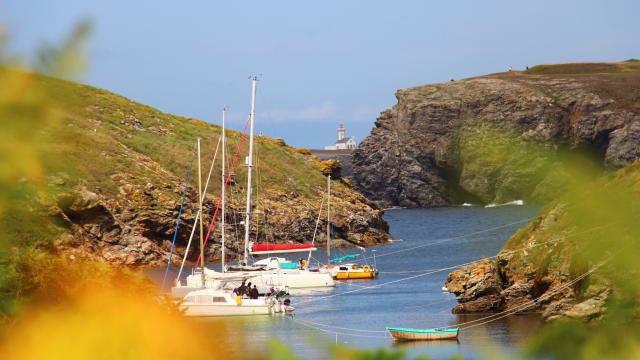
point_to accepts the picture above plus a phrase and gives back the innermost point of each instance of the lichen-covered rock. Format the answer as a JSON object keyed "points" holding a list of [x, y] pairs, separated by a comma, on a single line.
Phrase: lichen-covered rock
{"points": [[136, 227], [535, 271], [477, 288]]}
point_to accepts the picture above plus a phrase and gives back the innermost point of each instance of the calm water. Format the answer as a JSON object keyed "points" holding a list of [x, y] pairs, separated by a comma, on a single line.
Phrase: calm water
{"points": [[328, 316]]}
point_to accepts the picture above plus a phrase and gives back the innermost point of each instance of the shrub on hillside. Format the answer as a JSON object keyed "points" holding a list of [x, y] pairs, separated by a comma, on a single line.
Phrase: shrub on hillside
{"points": [[331, 167], [303, 151]]}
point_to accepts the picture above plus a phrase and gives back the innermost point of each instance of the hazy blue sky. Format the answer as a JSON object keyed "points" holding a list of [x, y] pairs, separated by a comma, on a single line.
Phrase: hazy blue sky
{"points": [[322, 62]]}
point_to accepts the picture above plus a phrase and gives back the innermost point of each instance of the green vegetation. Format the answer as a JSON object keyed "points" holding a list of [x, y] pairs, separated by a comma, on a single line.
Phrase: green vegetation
{"points": [[57, 135], [617, 80], [578, 68], [108, 134], [331, 167], [595, 224]]}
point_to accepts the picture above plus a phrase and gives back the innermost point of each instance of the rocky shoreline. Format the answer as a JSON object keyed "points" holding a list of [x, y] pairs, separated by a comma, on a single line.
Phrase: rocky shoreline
{"points": [[136, 226]]}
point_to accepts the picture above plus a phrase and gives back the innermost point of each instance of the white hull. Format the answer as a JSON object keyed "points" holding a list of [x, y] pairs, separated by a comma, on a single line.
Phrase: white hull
{"points": [[218, 302], [225, 310], [293, 279]]}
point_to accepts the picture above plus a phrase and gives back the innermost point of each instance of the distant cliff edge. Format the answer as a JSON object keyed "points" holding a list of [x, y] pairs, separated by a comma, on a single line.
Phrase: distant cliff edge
{"points": [[431, 149]]}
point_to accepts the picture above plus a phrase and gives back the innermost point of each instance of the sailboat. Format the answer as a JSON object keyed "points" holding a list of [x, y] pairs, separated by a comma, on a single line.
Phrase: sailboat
{"points": [[210, 298], [274, 271]]}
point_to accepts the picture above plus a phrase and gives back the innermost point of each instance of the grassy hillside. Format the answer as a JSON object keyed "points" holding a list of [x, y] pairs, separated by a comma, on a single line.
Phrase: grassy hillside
{"points": [[616, 80], [96, 135], [87, 174], [103, 132]]}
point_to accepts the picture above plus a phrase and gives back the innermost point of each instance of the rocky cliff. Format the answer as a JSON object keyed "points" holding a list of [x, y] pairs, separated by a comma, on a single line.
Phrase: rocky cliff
{"points": [[594, 227], [115, 172], [435, 148]]}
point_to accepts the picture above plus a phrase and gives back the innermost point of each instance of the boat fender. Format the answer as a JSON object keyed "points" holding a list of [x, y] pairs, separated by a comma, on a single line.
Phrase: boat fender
{"points": [[238, 300]]}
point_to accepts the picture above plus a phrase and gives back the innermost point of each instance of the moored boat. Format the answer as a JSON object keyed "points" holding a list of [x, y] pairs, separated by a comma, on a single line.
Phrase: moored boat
{"points": [[217, 302], [348, 271], [352, 271], [267, 273], [409, 334]]}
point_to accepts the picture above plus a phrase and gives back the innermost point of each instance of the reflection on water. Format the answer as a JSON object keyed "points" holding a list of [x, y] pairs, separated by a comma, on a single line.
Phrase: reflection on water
{"points": [[356, 313]]}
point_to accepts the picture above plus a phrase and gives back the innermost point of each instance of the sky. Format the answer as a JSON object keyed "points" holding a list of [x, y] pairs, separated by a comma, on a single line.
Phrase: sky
{"points": [[320, 63]]}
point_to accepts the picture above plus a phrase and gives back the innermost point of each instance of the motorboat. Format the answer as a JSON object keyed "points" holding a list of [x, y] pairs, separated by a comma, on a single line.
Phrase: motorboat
{"points": [[352, 271], [216, 301]]}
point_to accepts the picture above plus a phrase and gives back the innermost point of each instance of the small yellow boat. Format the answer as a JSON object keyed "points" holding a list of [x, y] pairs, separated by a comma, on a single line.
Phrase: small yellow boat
{"points": [[352, 271]]}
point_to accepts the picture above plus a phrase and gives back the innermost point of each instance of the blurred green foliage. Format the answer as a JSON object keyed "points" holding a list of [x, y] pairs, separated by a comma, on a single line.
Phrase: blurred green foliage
{"points": [[595, 221], [66, 60], [31, 117]]}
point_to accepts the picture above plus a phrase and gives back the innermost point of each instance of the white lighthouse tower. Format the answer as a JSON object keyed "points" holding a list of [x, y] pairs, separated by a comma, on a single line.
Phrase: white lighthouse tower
{"points": [[340, 131], [343, 142]]}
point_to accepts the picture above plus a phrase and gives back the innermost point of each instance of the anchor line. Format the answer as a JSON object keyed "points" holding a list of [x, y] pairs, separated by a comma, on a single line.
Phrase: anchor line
{"points": [[440, 241], [462, 325], [367, 331], [449, 267], [307, 324], [204, 194]]}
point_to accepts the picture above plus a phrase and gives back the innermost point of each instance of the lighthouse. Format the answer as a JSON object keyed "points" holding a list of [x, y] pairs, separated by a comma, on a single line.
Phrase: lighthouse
{"points": [[340, 131], [343, 142]]}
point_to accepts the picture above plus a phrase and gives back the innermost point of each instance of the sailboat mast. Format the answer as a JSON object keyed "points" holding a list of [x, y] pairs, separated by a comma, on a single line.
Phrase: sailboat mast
{"points": [[201, 215], [328, 219], [222, 187], [247, 219]]}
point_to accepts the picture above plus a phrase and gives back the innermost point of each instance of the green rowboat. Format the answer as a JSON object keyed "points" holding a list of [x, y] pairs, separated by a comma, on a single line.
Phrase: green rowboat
{"points": [[407, 334]]}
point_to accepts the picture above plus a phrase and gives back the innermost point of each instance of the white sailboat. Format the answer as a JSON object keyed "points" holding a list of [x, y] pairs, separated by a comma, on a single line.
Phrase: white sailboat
{"points": [[272, 271], [208, 294]]}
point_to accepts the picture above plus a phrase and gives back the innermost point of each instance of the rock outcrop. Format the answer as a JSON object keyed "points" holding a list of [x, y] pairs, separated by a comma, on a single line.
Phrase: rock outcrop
{"points": [[344, 156], [136, 226], [570, 261], [435, 146], [533, 279]]}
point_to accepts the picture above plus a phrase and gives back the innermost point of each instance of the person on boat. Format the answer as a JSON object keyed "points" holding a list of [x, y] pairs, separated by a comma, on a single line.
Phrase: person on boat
{"points": [[240, 290], [247, 290], [253, 293]]}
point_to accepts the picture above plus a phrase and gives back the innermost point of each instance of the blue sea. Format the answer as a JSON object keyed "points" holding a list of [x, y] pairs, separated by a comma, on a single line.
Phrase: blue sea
{"points": [[407, 293]]}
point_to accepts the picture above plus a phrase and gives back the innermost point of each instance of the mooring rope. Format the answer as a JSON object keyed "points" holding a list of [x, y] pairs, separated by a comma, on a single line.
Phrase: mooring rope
{"points": [[463, 325], [305, 323], [472, 323], [525, 305], [440, 241], [175, 232], [451, 267], [226, 183], [195, 222]]}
